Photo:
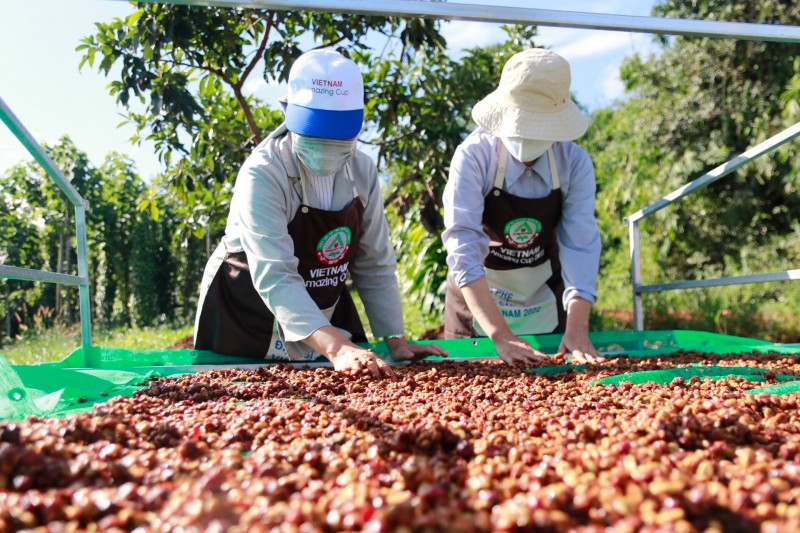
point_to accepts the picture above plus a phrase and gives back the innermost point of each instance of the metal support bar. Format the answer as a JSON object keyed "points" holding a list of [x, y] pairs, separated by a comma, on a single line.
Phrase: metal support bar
{"points": [[83, 272], [636, 276], [27, 274], [30, 144], [785, 275], [520, 15], [721, 171], [633, 220], [81, 206]]}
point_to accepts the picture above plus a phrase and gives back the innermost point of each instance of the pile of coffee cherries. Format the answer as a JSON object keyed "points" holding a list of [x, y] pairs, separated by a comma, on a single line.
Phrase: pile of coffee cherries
{"points": [[446, 446]]}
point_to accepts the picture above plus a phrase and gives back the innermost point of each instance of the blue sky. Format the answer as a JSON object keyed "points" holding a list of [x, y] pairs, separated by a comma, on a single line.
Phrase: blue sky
{"points": [[40, 81]]}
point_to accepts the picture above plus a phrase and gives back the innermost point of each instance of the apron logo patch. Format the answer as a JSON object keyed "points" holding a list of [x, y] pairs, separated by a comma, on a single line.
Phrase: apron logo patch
{"points": [[333, 246], [521, 232]]}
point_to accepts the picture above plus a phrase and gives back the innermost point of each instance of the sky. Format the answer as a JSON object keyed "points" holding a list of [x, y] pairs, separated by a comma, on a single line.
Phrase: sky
{"points": [[41, 84]]}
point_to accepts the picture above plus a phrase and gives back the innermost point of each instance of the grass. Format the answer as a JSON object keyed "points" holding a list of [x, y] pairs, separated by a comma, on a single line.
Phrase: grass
{"points": [[770, 316], [58, 342]]}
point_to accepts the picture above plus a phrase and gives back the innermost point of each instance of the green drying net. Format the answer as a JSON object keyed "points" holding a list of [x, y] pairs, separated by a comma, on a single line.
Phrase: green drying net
{"points": [[91, 376], [666, 375]]}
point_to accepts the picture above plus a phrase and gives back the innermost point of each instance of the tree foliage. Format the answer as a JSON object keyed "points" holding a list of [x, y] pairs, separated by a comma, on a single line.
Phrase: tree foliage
{"points": [[188, 66], [133, 256], [689, 109], [182, 74]]}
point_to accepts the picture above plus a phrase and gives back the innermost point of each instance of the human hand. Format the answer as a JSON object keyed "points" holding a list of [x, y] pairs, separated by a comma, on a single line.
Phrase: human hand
{"points": [[579, 349], [518, 353], [400, 350], [358, 360]]}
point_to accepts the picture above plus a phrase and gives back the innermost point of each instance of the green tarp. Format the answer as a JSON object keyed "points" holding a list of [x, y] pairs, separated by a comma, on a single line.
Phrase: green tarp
{"points": [[88, 377]]}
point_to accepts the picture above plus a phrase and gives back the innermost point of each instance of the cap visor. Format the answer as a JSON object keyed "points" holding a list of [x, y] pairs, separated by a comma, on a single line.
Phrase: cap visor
{"points": [[324, 123]]}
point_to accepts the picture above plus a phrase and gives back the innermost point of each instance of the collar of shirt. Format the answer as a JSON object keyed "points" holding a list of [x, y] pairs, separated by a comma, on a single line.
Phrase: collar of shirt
{"points": [[515, 170], [289, 164], [287, 158]]}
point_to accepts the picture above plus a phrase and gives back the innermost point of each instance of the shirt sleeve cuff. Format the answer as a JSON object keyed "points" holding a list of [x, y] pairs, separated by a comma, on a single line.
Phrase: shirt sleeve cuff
{"points": [[469, 275], [299, 333], [571, 293]]}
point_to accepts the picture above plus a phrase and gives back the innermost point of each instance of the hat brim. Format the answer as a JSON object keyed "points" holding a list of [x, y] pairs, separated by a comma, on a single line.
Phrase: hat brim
{"points": [[495, 115], [324, 123]]}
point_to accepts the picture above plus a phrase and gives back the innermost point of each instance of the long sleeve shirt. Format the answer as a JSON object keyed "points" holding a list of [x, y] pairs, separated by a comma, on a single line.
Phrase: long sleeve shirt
{"points": [[265, 199], [472, 173]]}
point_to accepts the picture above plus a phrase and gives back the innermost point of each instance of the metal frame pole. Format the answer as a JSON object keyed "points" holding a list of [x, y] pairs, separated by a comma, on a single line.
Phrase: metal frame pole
{"points": [[632, 221], [81, 206], [520, 15], [41, 157], [721, 171], [83, 272], [636, 274]]}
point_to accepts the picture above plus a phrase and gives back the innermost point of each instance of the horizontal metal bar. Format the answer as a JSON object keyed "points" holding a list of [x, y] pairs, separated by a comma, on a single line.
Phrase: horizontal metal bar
{"points": [[724, 169], [38, 153], [785, 275], [520, 15], [12, 272]]}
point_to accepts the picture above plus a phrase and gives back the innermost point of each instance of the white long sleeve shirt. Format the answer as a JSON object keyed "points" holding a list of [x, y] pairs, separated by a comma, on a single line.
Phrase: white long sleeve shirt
{"points": [[471, 178], [266, 197]]}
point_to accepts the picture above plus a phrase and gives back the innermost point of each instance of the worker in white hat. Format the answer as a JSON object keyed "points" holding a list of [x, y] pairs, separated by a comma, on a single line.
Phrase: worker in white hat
{"points": [[522, 242], [307, 212]]}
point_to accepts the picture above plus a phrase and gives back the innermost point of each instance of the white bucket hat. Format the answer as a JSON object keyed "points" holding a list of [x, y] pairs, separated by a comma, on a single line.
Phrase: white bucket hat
{"points": [[325, 97], [532, 100]]}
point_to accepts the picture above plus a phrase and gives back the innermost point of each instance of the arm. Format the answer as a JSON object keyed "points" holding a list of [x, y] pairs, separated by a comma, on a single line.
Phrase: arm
{"points": [[510, 348], [374, 269], [579, 251], [467, 245], [345, 355], [575, 341], [261, 209]]}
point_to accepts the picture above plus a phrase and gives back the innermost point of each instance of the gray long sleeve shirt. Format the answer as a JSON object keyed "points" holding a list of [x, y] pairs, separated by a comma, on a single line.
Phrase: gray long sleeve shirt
{"points": [[266, 197]]}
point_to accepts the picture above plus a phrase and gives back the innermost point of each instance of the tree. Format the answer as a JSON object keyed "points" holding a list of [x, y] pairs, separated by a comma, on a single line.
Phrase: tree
{"points": [[724, 96], [20, 238], [694, 106], [130, 252], [188, 66]]}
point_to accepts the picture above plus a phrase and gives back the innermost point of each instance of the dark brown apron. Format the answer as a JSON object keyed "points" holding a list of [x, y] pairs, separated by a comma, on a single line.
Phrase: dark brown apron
{"points": [[522, 268], [235, 320]]}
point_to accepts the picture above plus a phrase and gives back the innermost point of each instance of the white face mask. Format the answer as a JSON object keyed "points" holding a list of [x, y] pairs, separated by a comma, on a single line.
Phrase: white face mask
{"points": [[322, 157], [525, 150]]}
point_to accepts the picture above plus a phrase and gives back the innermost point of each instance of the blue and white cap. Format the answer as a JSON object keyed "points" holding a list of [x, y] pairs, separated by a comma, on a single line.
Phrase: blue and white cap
{"points": [[326, 96]]}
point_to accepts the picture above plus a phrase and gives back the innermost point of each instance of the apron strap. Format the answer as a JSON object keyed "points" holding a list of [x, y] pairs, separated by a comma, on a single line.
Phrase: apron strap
{"points": [[553, 169], [500, 176]]}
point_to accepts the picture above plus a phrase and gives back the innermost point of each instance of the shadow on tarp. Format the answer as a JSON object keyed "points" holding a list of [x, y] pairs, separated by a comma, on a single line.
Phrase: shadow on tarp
{"points": [[94, 375]]}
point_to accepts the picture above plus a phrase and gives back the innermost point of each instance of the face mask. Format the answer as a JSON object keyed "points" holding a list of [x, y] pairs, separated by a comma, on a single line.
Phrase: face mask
{"points": [[322, 157], [524, 150]]}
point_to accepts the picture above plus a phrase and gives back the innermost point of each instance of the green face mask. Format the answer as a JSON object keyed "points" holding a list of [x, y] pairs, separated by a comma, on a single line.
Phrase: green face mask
{"points": [[322, 156]]}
